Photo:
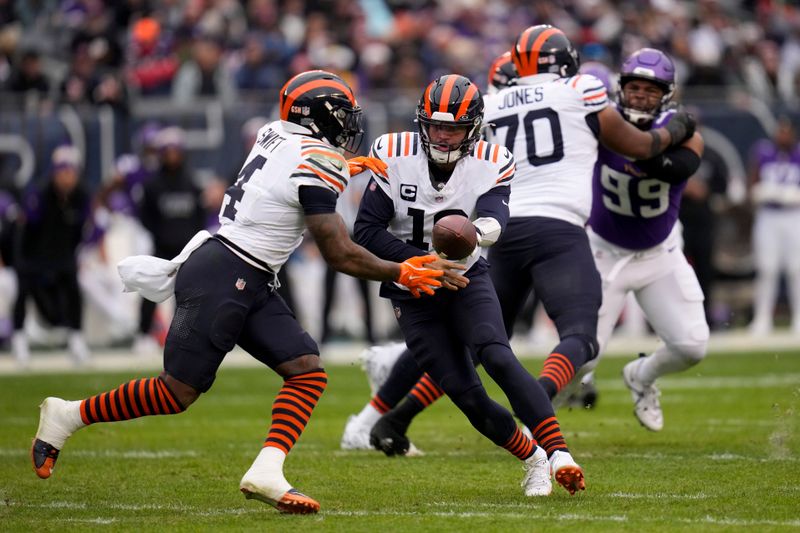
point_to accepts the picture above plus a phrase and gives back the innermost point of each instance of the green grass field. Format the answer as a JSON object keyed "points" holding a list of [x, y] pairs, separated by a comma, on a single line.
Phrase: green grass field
{"points": [[728, 459]]}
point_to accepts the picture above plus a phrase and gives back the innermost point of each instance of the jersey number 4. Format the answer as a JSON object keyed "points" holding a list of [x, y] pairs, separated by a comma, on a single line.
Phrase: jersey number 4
{"points": [[235, 192], [538, 124]]}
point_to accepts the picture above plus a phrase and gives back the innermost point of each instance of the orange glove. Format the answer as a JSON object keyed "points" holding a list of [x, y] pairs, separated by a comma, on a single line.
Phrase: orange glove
{"points": [[360, 164], [417, 277]]}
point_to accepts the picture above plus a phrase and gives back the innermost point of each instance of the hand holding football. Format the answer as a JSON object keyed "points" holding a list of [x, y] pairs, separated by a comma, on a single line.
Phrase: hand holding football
{"points": [[454, 237]]}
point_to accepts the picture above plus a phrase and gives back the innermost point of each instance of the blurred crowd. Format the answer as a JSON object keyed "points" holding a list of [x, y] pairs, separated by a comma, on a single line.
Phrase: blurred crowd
{"points": [[100, 51], [60, 237]]}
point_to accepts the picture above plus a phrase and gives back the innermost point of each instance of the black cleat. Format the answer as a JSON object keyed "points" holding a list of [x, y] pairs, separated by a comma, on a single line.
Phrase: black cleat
{"points": [[388, 438]]}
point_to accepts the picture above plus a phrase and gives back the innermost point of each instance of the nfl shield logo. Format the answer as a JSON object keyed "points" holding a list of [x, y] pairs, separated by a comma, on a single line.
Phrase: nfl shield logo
{"points": [[240, 283]]}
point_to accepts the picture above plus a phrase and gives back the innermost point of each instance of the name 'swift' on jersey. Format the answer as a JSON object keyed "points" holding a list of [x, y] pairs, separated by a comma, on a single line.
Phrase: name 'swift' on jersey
{"points": [[261, 214]]}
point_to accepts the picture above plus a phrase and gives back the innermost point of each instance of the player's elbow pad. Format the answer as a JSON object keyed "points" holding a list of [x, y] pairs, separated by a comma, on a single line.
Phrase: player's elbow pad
{"points": [[673, 166], [489, 230]]}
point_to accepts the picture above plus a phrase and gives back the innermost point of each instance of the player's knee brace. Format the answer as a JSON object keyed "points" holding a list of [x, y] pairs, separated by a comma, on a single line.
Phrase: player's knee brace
{"points": [[692, 349]]}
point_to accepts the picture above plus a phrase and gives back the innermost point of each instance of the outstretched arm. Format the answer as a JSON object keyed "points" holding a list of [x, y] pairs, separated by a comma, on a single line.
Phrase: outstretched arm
{"points": [[622, 137]]}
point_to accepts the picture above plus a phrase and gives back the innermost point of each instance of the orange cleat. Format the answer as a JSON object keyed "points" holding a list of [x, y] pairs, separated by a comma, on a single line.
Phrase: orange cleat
{"points": [[43, 456], [571, 478], [567, 472], [292, 502]]}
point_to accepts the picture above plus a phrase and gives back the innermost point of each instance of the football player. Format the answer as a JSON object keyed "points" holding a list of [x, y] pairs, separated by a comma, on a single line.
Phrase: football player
{"points": [[775, 190], [444, 169], [554, 121], [635, 239], [393, 363], [225, 290]]}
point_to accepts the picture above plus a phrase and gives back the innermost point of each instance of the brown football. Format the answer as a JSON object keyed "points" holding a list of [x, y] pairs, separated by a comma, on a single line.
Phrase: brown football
{"points": [[454, 237]]}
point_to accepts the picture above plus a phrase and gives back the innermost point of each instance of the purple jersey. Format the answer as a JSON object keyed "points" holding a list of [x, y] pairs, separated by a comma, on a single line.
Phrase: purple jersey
{"points": [[127, 199], [775, 166], [628, 208]]}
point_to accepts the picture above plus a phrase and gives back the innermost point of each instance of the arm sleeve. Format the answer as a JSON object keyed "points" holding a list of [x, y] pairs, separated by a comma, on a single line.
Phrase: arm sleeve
{"points": [[494, 204], [316, 200], [674, 166], [370, 231]]}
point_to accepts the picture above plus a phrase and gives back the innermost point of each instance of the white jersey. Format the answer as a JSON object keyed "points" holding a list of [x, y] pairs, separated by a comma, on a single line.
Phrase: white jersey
{"points": [[543, 121], [417, 203], [261, 214]]}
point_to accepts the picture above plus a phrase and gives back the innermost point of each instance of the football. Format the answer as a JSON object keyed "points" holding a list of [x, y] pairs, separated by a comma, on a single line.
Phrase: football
{"points": [[454, 237]]}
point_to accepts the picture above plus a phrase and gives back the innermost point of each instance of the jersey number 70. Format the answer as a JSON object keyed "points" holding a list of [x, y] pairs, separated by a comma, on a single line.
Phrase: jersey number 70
{"points": [[536, 124]]}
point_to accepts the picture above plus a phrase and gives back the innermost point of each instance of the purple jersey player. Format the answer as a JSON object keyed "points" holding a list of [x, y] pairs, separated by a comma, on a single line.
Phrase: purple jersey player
{"points": [[775, 181], [635, 240]]}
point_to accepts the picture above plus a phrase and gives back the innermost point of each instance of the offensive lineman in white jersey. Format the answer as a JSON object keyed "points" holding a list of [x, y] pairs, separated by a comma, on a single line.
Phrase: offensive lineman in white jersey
{"points": [[552, 121], [225, 290], [442, 170]]}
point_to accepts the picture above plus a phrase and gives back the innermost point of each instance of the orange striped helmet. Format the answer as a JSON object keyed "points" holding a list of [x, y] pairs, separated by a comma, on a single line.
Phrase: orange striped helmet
{"points": [[325, 104], [544, 48], [450, 100], [502, 73]]}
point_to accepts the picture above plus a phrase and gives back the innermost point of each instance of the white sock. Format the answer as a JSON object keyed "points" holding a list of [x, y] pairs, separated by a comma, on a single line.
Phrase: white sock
{"points": [[62, 420], [368, 416], [265, 475]]}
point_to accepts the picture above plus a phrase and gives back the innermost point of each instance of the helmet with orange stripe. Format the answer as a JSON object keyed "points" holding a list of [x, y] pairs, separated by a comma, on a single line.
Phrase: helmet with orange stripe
{"points": [[544, 48], [325, 104], [502, 73], [451, 102]]}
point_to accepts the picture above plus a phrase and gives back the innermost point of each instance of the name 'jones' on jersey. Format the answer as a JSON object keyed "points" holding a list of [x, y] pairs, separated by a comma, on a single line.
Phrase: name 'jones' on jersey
{"points": [[622, 192], [548, 127]]}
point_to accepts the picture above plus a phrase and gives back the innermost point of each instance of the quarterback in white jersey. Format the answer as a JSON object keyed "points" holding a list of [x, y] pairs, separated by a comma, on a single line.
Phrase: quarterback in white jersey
{"points": [[225, 291], [445, 169], [552, 121]]}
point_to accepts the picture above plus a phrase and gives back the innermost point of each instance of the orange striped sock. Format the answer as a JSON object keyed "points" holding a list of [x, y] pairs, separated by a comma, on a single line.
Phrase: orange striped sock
{"points": [[520, 445], [559, 370], [140, 397], [379, 405], [426, 391], [293, 406], [548, 435]]}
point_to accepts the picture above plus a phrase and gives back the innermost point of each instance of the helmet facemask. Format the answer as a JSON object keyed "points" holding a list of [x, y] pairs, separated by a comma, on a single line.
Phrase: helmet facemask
{"points": [[647, 64], [455, 151]]}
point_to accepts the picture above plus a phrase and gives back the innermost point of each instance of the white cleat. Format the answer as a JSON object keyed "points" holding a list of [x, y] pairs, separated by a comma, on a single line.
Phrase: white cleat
{"points": [[58, 419], [647, 406], [567, 472], [273, 489], [355, 436], [537, 474], [377, 362]]}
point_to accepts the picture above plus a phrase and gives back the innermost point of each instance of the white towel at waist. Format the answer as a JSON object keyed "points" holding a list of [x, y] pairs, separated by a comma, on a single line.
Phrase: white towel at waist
{"points": [[152, 277]]}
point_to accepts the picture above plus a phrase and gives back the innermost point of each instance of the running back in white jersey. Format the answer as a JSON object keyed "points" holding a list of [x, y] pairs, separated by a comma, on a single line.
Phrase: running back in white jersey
{"points": [[261, 213], [418, 204], [543, 121]]}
